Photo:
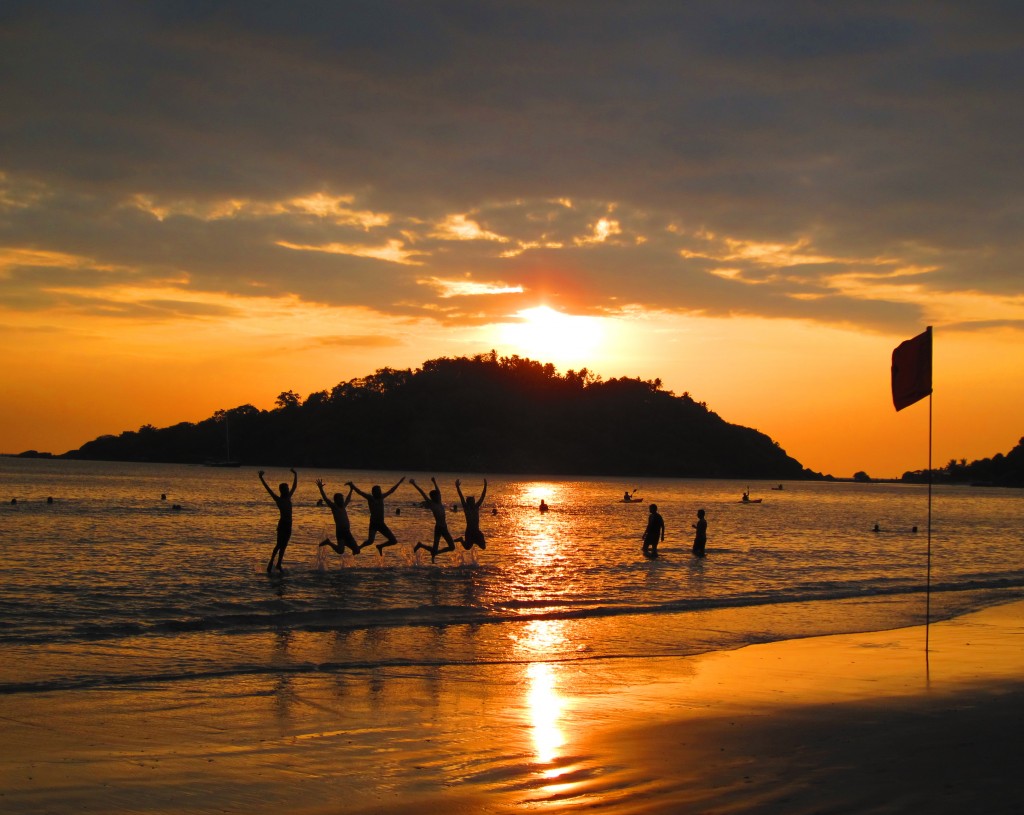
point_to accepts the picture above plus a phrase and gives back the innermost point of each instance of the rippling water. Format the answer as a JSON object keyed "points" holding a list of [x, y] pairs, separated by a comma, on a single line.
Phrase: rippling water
{"points": [[111, 584]]}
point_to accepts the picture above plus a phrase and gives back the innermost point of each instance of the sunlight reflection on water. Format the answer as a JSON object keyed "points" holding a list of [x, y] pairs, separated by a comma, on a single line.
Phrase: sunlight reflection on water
{"points": [[545, 706]]}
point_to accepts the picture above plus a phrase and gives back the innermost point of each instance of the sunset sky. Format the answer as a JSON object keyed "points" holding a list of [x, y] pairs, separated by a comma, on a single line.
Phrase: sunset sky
{"points": [[205, 204]]}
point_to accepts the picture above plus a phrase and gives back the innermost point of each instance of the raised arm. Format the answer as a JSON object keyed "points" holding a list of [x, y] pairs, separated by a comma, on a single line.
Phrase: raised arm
{"points": [[483, 495], [458, 489], [265, 485], [419, 489], [434, 482], [320, 486], [357, 490], [397, 484], [295, 482]]}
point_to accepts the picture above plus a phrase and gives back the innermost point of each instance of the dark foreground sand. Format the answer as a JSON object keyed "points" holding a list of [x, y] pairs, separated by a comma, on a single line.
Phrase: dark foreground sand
{"points": [[844, 724]]}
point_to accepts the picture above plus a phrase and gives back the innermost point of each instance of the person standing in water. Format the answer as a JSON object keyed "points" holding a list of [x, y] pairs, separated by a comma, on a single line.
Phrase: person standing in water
{"points": [[655, 532], [284, 524], [342, 527], [436, 505], [700, 538], [375, 500], [471, 509]]}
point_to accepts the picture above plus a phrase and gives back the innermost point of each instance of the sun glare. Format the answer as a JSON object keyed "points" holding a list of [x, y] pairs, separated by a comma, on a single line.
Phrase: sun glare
{"points": [[546, 334]]}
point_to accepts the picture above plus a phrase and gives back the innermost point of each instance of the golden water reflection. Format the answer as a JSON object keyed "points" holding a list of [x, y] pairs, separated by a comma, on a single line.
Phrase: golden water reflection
{"points": [[545, 705], [538, 639], [543, 533]]}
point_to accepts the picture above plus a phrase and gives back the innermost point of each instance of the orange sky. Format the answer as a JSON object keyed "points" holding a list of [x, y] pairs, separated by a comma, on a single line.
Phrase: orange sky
{"points": [[199, 211], [822, 393]]}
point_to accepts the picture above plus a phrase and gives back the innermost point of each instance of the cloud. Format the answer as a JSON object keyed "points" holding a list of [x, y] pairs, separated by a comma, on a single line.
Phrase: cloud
{"points": [[461, 162]]}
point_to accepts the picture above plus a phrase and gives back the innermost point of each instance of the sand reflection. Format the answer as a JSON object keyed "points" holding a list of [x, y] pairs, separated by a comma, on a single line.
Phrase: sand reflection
{"points": [[545, 706], [543, 701]]}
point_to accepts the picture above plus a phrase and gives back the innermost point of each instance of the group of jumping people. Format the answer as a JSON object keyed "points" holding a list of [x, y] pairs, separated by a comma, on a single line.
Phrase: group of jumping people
{"points": [[338, 505]]}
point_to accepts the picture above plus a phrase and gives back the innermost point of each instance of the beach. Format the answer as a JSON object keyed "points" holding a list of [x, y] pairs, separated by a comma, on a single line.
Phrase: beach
{"points": [[843, 723]]}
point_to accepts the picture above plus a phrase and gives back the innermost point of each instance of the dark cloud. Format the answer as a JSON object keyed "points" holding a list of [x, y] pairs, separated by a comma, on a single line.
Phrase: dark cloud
{"points": [[868, 131]]}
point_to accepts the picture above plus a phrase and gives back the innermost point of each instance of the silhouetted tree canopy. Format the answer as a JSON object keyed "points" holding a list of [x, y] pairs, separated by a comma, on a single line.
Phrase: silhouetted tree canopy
{"points": [[999, 471], [479, 414]]}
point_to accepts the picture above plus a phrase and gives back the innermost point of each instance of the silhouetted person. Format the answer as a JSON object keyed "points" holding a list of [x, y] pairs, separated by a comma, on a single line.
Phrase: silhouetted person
{"points": [[284, 525], [700, 538], [342, 527], [375, 500], [543, 506], [471, 509], [655, 532], [436, 505]]}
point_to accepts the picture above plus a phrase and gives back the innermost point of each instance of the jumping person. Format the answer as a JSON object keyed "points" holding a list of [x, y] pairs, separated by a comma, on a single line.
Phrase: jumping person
{"points": [[654, 533], [342, 527], [700, 539], [471, 509], [284, 525], [375, 500], [436, 505]]}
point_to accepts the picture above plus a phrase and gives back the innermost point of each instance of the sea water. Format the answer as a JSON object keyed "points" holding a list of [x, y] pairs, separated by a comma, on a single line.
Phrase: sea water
{"points": [[137, 574]]}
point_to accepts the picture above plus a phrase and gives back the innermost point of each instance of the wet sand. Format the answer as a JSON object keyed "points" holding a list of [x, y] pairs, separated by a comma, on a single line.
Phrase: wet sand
{"points": [[843, 724]]}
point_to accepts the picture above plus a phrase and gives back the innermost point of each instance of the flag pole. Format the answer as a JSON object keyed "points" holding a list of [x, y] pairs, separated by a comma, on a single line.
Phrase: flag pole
{"points": [[928, 577], [912, 382], [931, 478]]}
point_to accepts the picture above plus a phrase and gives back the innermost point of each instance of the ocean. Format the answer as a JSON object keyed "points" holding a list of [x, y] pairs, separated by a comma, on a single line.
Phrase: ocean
{"points": [[140, 574]]}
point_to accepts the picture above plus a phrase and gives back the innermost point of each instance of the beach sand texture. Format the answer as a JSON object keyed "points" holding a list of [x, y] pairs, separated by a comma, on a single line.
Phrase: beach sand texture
{"points": [[841, 724]]}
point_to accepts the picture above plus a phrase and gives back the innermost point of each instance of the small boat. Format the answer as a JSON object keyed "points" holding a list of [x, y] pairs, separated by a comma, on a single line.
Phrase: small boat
{"points": [[227, 461], [780, 487], [751, 500], [631, 500]]}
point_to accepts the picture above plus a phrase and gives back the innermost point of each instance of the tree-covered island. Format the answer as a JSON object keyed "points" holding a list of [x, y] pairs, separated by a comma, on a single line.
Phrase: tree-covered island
{"points": [[472, 414]]}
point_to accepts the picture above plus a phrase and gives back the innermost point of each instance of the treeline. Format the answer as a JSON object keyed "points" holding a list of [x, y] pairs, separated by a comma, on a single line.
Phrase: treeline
{"points": [[480, 414], [998, 471]]}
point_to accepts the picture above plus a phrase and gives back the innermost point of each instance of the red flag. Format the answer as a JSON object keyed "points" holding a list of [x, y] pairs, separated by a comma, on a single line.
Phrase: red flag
{"points": [[912, 370]]}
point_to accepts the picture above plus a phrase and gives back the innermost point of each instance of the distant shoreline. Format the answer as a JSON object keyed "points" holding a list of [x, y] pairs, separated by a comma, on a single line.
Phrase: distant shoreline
{"points": [[35, 454]]}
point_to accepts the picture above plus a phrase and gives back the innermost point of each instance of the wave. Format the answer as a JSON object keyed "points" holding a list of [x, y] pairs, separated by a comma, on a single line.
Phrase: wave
{"points": [[252, 621], [431, 659]]}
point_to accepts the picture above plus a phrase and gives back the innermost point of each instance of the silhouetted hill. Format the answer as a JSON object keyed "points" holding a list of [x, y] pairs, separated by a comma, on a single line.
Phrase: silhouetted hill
{"points": [[481, 414]]}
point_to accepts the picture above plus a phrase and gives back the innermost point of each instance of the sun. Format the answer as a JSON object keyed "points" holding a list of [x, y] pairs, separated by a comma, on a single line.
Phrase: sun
{"points": [[547, 335]]}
